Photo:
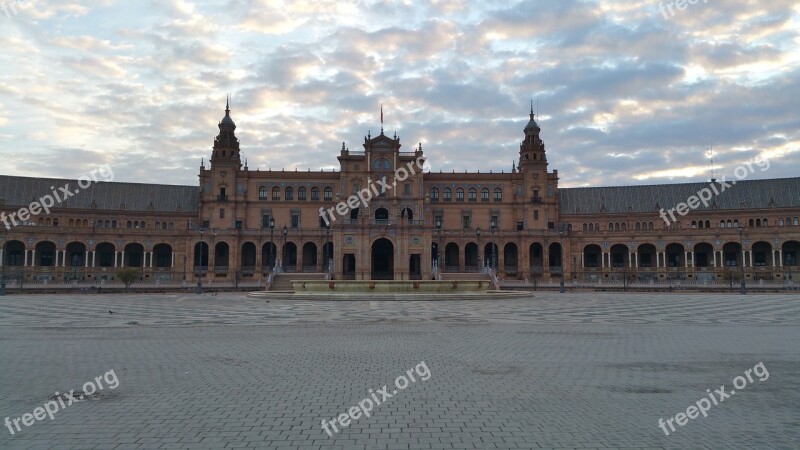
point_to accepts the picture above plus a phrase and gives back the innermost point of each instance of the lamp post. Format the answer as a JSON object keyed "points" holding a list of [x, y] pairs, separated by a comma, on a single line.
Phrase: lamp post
{"points": [[184, 267], [200, 264], [283, 248], [742, 287], [561, 256], [439, 246], [271, 242], [3, 264], [493, 253], [325, 265], [75, 267], [480, 257]]}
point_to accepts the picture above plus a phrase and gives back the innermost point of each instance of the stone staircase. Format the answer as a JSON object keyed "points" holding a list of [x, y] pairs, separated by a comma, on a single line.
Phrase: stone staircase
{"points": [[283, 281]]}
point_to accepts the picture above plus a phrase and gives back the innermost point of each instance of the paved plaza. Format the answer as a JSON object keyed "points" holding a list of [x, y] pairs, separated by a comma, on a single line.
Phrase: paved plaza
{"points": [[552, 371]]}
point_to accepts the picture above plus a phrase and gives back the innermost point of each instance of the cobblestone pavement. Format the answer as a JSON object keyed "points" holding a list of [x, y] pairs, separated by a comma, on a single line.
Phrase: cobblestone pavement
{"points": [[552, 371]]}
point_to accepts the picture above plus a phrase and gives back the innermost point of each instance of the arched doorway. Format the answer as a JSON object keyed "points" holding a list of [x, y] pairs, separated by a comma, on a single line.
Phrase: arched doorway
{"points": [[134, 255], [309, 257], [382, 260], [382, 216]]}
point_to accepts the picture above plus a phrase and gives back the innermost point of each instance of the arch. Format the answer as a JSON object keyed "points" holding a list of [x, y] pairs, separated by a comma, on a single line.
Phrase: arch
{"points": [[269, 252], [451, 256], [472, 195], [485, 194], [288, 193], [703, 254], [328, 193], [76, 254], [592, 256], [45, 254], [162, 255], [648, 255], [675, 255], [14, 254], [536, 257], [471, 257], [301, 193], [382, 256], [106, 254], [407, 213], [460, 194], [435, 194], [247, 260], [382, 215], [498, 195], [555, 256], [222, 253], [201, 255], [314, 194], [620, 255], [510, 258], [134, 255], [71, 223], [354, 213], [762, 254], [276, 193], [309, 257], [263, 194], [447, 194], [289, 257], [732, 254], [791, 252]]}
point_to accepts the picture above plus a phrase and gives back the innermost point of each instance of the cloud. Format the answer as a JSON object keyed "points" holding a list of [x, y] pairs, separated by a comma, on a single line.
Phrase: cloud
{"points": [[625, 96]]}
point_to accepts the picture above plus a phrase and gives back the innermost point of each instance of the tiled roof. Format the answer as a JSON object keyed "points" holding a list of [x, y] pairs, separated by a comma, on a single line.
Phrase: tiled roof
{"points": [[780, 193], [21, 191]]}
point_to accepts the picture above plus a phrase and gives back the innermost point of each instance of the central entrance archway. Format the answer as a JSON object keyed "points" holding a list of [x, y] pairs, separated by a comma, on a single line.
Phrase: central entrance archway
{"points": [[382, 260]]}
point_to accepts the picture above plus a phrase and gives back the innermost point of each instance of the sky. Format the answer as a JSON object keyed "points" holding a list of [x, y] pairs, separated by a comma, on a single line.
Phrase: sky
{"points": [[627, 92]]}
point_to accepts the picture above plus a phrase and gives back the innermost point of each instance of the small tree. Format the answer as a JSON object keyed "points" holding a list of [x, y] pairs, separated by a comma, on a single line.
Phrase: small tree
{"points": [[128, 276]]}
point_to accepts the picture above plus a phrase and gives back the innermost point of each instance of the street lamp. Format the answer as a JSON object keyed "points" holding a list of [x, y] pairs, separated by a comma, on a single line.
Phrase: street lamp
{"points": [[3, 264], [325, 265], [283, 247], [184, 267], [271, 242], [492, 250], [75, 267], [480, 257], [439, 246], [742, 288], [561, 256], [200, 264]]}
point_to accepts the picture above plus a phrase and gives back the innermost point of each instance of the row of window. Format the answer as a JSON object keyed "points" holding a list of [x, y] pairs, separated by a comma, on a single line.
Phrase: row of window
{"points": [[729, 223], [472, 194], [288, 193], [100, 223]]}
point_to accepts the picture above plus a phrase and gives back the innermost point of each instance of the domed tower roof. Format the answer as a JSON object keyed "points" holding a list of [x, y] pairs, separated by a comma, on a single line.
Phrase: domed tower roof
{"points": [[227, 123], [532, 125]]}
